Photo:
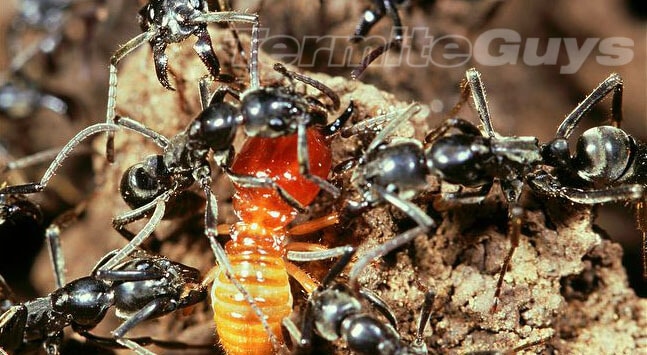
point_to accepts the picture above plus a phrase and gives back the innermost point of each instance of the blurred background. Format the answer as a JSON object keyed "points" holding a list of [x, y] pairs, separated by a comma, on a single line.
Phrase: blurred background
{"points": [[67, 78]]}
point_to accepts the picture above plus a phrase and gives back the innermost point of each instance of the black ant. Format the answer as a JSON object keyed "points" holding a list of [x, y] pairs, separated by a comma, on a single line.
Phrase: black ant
{"points": [[141, 288], [172, 21], [609, 165], [394, 172], [334, 311], [470, 159]]}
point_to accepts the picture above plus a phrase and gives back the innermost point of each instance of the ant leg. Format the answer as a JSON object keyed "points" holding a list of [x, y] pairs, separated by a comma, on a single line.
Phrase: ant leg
{"points": [[641, 222], [250, 181], [371, 57], [232, 16], [60, 157], [408, 208], [138, 127], [369, 19], [112, 84], [418, 346], [7, 297], [392, 12], [475, 85], [12, 326], [468, 197], [204, 49], [303, 159], [160, 207], [547, 184], [516, 216], [141, 341], [310, 81], [52, 236], [392, 126], [612, 83], [131, 216], [30, 160], [146, 312]]}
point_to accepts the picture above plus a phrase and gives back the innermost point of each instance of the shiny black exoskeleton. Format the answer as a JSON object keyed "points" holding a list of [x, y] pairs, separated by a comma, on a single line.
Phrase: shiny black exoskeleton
{"points": [[334, 311], [608, 163], [142, 288], [172, 21], [373, 15], [455, 152], [21, 235]]}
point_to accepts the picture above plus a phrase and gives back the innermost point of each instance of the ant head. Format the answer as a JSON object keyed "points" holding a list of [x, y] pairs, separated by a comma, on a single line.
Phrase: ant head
{"points": [[398, 166], [144, 181], [460, 159], [170, 14], [216, 125], [193, 291], [331, 306], [269, 112], [603, 154], [277, 111]]}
